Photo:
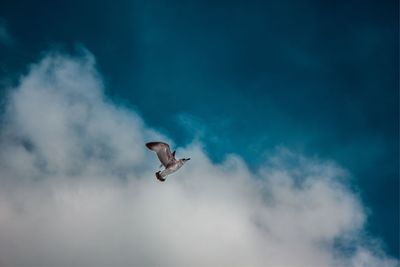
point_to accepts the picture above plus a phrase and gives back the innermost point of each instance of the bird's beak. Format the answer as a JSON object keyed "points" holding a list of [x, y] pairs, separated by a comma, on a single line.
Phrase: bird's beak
{"points": [[188, 159]]}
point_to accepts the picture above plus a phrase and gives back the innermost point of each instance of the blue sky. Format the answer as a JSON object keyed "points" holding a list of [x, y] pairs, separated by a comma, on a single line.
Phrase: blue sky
{"points": [[243, 77]]}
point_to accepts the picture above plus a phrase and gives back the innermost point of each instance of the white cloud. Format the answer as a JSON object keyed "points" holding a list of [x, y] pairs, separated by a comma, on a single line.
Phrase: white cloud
{"points": [[77, 188]]}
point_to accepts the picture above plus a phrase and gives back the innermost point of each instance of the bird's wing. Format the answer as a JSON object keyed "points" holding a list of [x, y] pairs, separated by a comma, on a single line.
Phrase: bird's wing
{"points": [[163, 152]]}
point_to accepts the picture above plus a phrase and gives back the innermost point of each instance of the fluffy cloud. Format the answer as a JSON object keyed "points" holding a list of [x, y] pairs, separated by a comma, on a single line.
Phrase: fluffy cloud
{"points": [[77, 188]]}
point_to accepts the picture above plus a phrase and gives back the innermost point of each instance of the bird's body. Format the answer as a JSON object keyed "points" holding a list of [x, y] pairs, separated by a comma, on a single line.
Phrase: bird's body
{"points": [[166, 158]]}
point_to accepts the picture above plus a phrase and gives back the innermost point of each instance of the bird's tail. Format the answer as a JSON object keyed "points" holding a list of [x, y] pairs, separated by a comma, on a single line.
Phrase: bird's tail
{"points": [[159, 176]]}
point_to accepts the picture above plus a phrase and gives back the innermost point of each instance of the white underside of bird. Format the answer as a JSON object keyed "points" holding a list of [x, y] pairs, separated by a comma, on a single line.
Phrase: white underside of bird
{"points": [[167, 159]]}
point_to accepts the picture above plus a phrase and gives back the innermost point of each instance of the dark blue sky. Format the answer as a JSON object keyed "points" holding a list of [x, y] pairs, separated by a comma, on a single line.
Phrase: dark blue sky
{"points": [[317, 77]]}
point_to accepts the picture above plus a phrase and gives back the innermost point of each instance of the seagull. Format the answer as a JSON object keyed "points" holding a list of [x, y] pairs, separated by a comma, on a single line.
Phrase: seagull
{"points": [[167, 159]]}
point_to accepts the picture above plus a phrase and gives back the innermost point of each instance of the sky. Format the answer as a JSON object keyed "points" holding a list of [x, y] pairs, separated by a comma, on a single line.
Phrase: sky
{"points": [[289, 111]]}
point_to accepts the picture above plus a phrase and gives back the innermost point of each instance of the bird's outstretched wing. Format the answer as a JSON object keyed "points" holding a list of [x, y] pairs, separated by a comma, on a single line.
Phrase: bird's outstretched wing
{"points": [[163, 152]]}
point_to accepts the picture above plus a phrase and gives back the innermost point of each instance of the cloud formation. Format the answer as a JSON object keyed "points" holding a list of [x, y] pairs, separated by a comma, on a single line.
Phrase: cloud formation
{"points": [[77, 188]]}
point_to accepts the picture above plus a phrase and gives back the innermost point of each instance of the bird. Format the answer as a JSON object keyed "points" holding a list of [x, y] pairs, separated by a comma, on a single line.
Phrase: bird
{"points": [[166, 158]]}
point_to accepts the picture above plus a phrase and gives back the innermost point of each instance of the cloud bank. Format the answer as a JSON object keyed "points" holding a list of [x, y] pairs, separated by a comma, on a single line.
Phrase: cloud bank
{"points": [[77, 188]]}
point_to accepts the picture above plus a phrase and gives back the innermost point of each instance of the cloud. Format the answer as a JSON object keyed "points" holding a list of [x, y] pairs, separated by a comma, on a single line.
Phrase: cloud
{"points": [[77, 188]]}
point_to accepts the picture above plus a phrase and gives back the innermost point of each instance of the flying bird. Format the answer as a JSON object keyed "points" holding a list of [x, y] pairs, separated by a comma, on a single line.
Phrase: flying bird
{"points": [[167, 159]]}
